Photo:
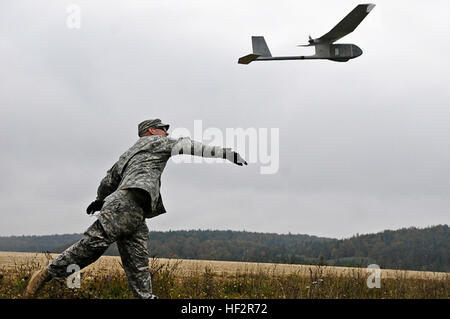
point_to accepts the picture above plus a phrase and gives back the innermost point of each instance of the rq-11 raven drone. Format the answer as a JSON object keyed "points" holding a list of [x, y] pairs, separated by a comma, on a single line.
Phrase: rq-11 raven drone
{"points": [[325, 49]]}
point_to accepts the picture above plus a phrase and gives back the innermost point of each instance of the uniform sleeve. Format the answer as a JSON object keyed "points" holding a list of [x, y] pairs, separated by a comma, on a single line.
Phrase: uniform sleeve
{"points": [[185, 145], [109, 183]]}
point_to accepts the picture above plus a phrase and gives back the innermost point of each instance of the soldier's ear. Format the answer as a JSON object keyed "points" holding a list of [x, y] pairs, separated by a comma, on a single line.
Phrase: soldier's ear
{"points": [[147, 133]]}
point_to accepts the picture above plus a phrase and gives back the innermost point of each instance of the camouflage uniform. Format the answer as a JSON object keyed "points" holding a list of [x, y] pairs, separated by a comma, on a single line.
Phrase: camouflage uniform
{"points": [[142, 165], [131, 193], [121, 220]]}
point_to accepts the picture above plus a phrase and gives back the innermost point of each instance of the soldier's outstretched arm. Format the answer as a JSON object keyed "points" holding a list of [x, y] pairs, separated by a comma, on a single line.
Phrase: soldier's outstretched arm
{"points": [[107, 186], [185, 145]]}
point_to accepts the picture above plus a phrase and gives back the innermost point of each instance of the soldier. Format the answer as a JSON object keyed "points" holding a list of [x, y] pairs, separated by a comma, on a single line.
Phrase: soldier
{"points": [[125, 198]]}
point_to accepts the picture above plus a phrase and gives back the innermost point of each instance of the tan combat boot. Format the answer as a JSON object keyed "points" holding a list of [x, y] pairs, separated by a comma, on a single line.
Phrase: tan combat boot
{"points": [[37, 280]]}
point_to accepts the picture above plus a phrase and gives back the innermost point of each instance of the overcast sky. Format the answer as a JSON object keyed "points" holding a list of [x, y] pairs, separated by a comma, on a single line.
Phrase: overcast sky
{"points": [[364, 145]]}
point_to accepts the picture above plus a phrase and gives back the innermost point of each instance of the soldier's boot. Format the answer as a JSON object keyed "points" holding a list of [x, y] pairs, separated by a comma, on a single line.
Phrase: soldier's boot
{"points": [[37, 280]]}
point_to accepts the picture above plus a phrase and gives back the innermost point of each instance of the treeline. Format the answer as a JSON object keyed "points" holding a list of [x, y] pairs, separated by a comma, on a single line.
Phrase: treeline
{"points": [[36, 243], [408, 248]]}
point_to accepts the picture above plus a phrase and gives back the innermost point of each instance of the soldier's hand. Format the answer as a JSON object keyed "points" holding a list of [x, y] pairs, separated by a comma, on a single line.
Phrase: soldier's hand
{"points": [[235, 158], [96, 205], [238, 160]]}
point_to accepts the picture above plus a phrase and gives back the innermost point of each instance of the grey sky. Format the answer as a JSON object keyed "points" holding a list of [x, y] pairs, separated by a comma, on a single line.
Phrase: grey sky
{"points": [[364, 145]]}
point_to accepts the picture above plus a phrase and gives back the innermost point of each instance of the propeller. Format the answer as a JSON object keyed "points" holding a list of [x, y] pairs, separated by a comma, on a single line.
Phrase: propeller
{"points": [[310, 40]]}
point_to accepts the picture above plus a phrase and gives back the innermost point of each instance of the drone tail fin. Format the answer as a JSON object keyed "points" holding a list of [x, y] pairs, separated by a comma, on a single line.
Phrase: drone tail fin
{"points": [[260, 47]]}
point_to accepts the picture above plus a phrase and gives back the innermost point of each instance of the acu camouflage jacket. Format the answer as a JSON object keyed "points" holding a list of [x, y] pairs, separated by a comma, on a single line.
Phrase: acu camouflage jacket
{"points": [[142, 164]]}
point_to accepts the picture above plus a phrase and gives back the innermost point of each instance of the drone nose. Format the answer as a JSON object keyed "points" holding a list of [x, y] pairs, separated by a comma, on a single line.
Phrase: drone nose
{"points": [[356, 51]]}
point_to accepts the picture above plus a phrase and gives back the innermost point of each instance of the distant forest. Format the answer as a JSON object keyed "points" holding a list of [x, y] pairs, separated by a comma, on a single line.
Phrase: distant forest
{"points": [[408, 248]]}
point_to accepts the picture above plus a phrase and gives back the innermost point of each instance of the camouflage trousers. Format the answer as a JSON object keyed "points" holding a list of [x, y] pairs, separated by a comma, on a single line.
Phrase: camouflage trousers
{"points": [[120, 220]]}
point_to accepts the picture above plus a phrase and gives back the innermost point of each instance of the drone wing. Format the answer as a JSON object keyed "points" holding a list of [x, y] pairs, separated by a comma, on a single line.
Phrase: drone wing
{"points": [[348, 24]]}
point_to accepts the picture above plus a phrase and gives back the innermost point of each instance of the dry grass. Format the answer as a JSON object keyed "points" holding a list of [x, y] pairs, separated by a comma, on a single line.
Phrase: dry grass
{"points": [[215, 279]]}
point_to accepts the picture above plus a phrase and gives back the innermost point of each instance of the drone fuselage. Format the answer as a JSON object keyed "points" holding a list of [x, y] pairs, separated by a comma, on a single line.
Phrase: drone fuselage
{"points": [[334, 52], [337, 52]]}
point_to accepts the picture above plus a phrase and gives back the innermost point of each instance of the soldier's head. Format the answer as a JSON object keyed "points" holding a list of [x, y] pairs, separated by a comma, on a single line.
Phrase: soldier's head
{"points": [[152, 127]]}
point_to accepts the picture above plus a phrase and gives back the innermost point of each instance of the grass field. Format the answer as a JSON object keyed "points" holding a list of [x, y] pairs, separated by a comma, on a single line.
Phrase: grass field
{"points": [[217, 279]]}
